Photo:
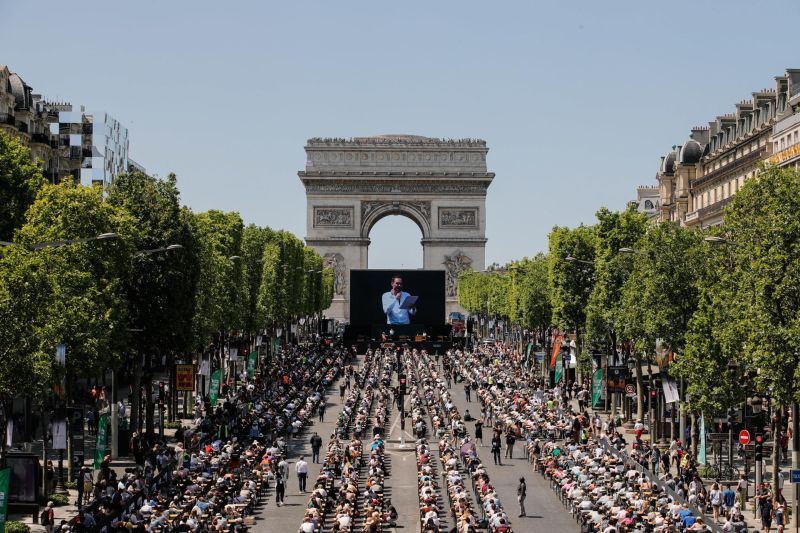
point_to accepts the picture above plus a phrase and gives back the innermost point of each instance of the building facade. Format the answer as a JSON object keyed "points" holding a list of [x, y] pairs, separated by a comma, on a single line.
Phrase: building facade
{"points": [[786, 133], [698, 178], [648, 201], [89, 148]]}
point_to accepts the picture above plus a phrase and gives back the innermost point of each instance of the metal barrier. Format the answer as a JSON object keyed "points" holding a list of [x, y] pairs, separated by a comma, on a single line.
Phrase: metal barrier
{"points": [[627, 459]]}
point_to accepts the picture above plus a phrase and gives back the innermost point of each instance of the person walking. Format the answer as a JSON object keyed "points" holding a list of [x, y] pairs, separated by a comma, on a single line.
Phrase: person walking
{"points": [[301, 469], [316, 444], [467, 391], [322, 406], [496, 444], [282, 475], [48, 517], [655, 459], [510, 440], [479, 432], [522, 491]]}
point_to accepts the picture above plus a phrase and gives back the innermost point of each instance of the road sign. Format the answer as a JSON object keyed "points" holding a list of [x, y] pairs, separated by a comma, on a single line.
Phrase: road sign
{"points": [[184, 377], [630, 390], [744, 437], [795, 476]]}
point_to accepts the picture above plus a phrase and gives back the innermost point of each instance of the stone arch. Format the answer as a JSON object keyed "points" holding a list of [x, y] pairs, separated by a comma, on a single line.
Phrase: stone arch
{"points": [[439, 184], [373, 211]]}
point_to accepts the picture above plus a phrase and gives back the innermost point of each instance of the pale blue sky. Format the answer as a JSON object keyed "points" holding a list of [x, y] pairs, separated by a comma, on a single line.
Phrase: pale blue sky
{"points": [[576, 100]]}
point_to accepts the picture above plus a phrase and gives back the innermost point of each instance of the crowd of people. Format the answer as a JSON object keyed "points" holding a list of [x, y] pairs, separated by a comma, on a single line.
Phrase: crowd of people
{"points": [[217, 472], [461, 465], [588, 462], [340, 496]]}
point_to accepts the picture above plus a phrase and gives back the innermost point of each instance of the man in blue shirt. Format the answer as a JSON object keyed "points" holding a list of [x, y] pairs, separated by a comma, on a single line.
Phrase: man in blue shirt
{"points": [[392, 301]]}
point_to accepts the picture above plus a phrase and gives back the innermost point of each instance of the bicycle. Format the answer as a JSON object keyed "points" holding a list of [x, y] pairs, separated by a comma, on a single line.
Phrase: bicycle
{"points": [[709, 471]]}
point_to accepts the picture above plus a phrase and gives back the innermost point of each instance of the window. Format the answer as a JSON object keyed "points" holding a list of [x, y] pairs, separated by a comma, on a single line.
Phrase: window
{"points": [[648, 204]]}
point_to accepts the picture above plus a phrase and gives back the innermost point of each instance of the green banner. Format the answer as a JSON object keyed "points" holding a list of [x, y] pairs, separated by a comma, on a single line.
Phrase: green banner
{"points": [[277, 345], [5, 478], [252, 363], [701, 452], [530, 347], [559, 369], [213, 393], [102, 441], [597, 386]]}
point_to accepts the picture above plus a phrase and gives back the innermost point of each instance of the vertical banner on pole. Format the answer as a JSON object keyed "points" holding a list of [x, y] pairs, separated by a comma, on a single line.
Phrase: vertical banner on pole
{"points": [[701, 452], [252, 363], [102, 441], [213, 393], [5, 478], [559, 369], [554, 359], [597, 386]]}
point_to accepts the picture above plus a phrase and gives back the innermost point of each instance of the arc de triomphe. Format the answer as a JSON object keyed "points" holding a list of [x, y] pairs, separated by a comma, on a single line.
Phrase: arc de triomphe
{"points": [[439, 184]]}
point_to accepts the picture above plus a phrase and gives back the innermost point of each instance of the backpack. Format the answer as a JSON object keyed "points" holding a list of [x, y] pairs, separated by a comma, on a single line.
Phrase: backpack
{"points": [[45, 517]]}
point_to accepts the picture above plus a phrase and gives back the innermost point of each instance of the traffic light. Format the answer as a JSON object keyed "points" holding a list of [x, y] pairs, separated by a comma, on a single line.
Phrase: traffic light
{"points": [[402, 379], [731, 414], [759, 448], [160, 391]]}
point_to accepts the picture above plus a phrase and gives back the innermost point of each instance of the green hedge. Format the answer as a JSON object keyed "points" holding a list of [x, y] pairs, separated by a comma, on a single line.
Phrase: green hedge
{"points": [[14, 526], [58, 499]]}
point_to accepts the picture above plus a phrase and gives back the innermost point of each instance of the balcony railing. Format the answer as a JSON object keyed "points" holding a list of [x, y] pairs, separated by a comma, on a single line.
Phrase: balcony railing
{"points": [[731, 168], [713, 209], [41, 138]]}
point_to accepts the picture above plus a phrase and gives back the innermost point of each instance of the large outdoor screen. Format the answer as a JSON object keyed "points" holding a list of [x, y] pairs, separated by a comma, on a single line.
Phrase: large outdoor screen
{"points": [[387, 297]]}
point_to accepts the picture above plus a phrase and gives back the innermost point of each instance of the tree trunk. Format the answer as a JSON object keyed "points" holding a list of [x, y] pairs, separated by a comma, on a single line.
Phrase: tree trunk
{"points": [[637, 361], [149, 409], [135, 397], [695, 431], [776, 445]]}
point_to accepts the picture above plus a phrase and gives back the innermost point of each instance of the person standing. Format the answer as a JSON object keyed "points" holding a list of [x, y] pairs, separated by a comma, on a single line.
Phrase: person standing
{"points": [[522, 491], [510, 440], [467, 391], [479, 432], [301, 469], [322, 406], [316, 444], [87, 486], [741, 488], [496, 444]]}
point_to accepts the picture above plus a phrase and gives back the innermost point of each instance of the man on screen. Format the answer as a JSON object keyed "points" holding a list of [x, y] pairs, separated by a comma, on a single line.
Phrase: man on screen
{"points": [[393, 302]]}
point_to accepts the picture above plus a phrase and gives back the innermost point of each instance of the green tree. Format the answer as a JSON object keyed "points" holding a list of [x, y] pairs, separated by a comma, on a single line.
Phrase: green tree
{"points": [[571, 273], [254, 241], [20, 181], [705, 362], [660, 294], [161, 288], [762, 224], [71, 294], [530, 295], [615, 230]]}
